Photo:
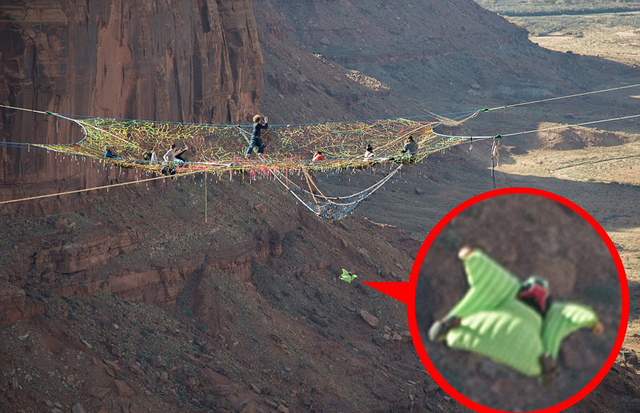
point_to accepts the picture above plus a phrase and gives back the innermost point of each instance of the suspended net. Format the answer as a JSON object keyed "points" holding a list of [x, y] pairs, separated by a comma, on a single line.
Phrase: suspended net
{"points": [[289, 148], [222, 147]]}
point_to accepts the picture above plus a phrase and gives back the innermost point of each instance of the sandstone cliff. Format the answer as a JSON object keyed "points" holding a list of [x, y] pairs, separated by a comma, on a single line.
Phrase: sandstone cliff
{"points": [[130, 306], [192, 61]]}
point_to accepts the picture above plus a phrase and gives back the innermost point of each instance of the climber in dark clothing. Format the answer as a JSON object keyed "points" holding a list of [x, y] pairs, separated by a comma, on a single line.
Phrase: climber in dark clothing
{"points": [[109, 154], [150, 156], [180, 154], [258, 127]]}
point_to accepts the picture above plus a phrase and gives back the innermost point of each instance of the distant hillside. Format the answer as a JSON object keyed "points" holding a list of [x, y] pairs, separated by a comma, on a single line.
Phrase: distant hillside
{"points": [[367, 59]]}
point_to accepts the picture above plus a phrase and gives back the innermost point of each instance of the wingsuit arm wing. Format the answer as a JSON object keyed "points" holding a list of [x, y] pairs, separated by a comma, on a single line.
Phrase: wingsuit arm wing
{"points": [[563, 319], [490, 284]]}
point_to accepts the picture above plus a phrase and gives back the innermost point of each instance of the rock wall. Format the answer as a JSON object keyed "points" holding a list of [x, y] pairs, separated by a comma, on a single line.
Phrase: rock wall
{"points": [[84, 266], [192, 61]]}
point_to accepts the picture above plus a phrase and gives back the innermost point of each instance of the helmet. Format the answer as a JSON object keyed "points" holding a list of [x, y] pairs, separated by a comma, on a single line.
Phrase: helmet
{"points": [[534, 279]]}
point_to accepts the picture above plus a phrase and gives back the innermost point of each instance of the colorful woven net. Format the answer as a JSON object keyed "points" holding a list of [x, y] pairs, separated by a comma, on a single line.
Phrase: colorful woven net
{"points": [[223, 146], [291, 147]]}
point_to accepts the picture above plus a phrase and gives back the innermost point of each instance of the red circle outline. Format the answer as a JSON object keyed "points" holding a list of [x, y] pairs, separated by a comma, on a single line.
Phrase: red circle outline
{"points": [[413, 280]]}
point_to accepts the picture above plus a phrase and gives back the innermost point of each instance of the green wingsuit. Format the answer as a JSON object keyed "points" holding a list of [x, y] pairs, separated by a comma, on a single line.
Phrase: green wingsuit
{"points": [[495, 324]]}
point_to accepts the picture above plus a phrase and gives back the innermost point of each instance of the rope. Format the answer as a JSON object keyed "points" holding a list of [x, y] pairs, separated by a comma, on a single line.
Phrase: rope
{"points": [[224, 125], [570, 126], [372, 188], [294, 194], [84, 130], [27, 110], [205, 196], [53, 114], [339, 122], [155, 178], [102, 130], [495, 158], [458, 121], [562, 97], [294, 141], [463, 137], [330, 198], [309, 182], [403, 136]]}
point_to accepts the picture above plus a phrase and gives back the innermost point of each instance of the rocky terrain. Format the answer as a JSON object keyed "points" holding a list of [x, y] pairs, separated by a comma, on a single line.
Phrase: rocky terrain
{"points": [[131, 307], [425, 56], [127, 301], [145, 307]]}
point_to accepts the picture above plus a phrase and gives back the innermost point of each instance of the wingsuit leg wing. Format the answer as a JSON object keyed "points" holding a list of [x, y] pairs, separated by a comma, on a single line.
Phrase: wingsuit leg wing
{"points": [[561, 320], [489, 286]]}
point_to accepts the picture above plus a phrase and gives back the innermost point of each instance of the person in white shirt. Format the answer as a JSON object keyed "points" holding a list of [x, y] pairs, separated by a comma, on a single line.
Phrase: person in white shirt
{"points": [[174, 155]]}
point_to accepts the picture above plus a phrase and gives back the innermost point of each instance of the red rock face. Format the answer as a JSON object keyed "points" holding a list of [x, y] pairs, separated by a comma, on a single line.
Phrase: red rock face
{"points": [[83, 267], [192, 61]]}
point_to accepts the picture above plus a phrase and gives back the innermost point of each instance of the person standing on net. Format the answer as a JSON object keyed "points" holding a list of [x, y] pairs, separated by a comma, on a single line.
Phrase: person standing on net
{"points": [[258, 126]]}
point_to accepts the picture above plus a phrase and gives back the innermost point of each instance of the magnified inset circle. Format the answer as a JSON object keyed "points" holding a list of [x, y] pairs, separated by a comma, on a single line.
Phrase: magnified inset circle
{"points": [[521, 302]]}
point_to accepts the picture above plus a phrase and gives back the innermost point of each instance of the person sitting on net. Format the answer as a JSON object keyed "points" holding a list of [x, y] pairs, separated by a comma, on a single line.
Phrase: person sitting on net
{"points": [[410, 146], [150, 156], [109, 154], [171, 159], [368, 153], [175, 155], [409, 151], [318, 157], [258, 127]]}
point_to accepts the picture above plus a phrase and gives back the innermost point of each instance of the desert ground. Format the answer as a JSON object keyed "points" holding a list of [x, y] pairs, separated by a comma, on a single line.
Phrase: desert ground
{"points": [[605, 180], [596, 28], [602, 174], [612, 36]]}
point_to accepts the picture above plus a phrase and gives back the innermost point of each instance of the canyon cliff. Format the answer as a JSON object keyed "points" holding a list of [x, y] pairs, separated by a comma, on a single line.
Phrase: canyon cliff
{"points": [[130, 301], [191, 61]]}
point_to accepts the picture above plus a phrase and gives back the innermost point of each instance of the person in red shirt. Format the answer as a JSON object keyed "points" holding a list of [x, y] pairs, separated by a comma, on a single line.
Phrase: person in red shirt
{"points": [[318, 157]]}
